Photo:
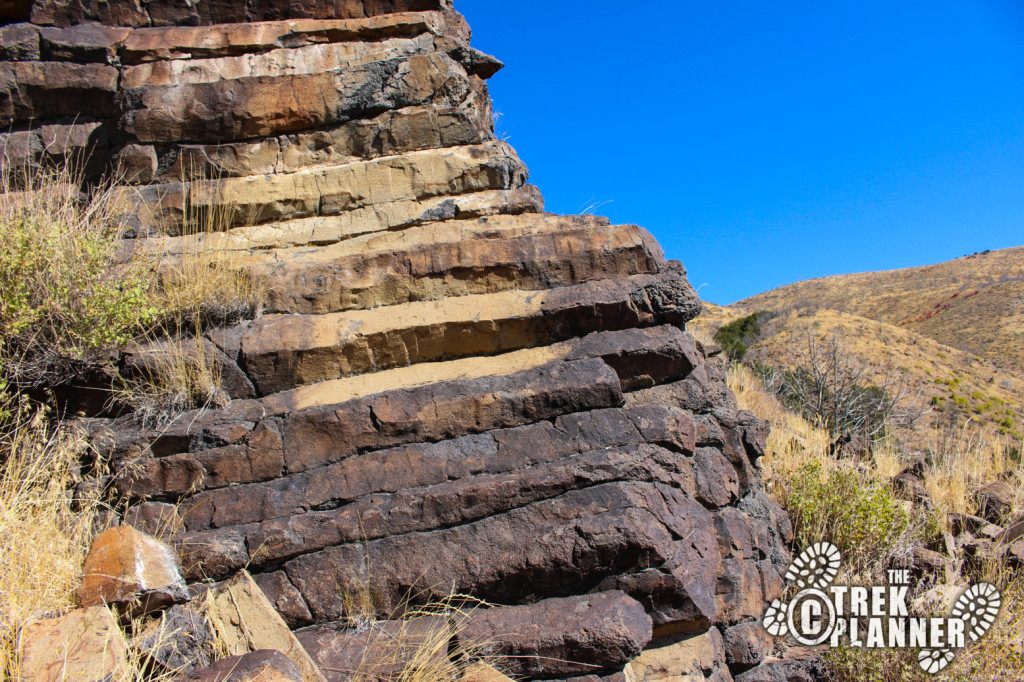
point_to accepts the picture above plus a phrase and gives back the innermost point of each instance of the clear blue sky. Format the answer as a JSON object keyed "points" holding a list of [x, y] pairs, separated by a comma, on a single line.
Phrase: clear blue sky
{"points": [[769, 142]]}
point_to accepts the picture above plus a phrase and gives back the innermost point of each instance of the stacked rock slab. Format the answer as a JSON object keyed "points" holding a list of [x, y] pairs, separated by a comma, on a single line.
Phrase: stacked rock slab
{"points": [[450, 388]]}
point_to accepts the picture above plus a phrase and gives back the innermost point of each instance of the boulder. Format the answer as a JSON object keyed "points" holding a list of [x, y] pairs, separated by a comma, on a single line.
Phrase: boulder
{"points": [[85, 644], [561, 637], [799, 664], [1014, 531], [244, 621], [995, 501], [929, 563], [851, 445], [384, 650], [909, 486], [179, 641], [263, 665], [746, 645], [682, 658], [132, 570]]}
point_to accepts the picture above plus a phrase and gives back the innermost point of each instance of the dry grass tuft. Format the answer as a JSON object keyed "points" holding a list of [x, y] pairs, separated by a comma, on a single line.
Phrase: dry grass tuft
{"points": [[419, 645], [177, 374], [43, 536], [203, 283], [204, 286]]}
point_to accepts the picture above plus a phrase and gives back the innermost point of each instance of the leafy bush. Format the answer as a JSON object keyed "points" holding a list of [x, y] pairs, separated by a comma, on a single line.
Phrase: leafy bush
{"points": [[65, 297], [735, 337], [854, 511]]}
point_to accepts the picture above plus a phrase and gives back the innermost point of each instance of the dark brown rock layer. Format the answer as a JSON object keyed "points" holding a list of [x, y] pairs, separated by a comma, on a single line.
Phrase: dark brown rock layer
{"points": [[450, 389]]}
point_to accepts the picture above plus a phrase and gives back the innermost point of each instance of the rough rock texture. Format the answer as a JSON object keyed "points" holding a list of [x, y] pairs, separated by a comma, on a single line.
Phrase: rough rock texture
{"points": [[683, 658], [264, 665], [378, 650], [128, 568], [85, 644], [178, 641], [573, 636], [450, 389], [245, 621]]}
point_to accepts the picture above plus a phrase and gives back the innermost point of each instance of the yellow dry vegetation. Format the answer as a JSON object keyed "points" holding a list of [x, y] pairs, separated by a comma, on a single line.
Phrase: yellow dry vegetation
{"points": [[45, 534], [797, 452], [974, 303]]}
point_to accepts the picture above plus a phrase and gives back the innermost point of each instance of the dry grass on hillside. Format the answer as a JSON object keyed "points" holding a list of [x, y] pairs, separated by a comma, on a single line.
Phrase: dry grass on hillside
{"points": [[973, 303], [950, 386], [838, 500], [938, 377]]}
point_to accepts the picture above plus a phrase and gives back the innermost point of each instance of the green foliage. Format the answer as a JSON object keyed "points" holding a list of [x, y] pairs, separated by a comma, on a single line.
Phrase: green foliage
{"points": [[64, 297], [854, 511], [735, 337], [847, 664]]}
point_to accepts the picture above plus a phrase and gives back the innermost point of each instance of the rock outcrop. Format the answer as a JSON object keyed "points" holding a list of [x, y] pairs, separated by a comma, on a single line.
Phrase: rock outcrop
{"points": [[450, 390]]}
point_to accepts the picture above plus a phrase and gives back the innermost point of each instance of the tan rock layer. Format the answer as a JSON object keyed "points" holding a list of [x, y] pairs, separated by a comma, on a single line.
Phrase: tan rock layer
{"points": [[455, 259], [283, 351], [406, 180]]}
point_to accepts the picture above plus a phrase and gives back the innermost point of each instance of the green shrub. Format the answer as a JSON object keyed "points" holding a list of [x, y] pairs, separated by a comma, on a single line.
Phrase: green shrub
{"points": [[735, 337], [855, 512], [847, 664], [65, 298]]}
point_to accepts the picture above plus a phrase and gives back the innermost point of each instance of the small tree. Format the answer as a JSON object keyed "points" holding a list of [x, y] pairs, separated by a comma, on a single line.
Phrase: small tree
{"points": [[738, 335], [830, 385]]}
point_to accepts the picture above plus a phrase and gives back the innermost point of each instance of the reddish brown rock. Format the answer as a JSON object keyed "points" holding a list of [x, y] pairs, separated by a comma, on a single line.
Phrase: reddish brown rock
{"points": [[381, 650], [159, 519], [167, 12], [264, 665], [47, 90], [563, 637], [261, 106], [746, 645], [131, 569]]}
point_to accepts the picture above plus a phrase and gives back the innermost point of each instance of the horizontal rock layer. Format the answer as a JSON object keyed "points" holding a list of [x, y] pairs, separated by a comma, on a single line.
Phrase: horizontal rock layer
{"points": [[448, 390]]}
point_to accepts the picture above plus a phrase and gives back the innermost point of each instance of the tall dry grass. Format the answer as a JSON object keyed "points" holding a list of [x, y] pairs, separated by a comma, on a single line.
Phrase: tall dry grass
{"points": [[955, 468], [44, 535], [418, 643], [175, 375], [202, 282]]}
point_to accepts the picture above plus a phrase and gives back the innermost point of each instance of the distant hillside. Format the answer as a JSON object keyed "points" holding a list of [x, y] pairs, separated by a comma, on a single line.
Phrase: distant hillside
{"points": [[974, 304]]}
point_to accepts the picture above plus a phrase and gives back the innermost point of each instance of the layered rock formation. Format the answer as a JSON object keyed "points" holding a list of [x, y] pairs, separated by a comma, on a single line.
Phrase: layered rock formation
{"points": [[450, 390]]}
